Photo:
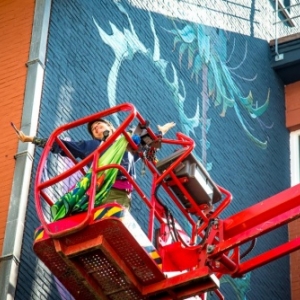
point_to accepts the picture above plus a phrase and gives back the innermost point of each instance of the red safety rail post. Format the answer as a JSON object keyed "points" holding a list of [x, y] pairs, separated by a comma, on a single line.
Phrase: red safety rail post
{"points": [[184, 142], [189, 144], [152, 211]]}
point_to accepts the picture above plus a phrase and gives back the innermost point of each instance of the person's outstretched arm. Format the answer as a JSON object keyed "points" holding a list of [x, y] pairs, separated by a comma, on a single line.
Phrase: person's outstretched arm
{"points": [[40, 142], [165, 128], [79, 149]]}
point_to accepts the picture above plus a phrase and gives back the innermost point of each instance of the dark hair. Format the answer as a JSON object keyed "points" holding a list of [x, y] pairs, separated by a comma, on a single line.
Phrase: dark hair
{"points": [[89, 125]]}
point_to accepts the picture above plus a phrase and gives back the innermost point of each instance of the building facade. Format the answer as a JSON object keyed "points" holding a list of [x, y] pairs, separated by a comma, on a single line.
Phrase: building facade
{"points": [[209, 68]]}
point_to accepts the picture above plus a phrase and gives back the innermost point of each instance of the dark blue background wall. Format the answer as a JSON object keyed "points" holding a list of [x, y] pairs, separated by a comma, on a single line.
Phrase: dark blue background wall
{"points": [[76, 84]]}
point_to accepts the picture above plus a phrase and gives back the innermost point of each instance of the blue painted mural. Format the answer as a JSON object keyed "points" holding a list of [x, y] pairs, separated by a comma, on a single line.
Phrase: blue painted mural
{"points": [[217, 86], [208, 62]]}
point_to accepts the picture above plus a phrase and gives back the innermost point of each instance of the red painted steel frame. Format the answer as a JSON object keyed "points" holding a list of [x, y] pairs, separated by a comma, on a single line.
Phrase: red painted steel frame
{"points": [[39, 185], [256, 221], [40, 195], [58, 232]]}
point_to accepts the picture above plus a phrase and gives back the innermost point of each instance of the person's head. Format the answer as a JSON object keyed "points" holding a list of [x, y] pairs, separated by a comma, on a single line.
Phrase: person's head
{"points": [[99, 128]]}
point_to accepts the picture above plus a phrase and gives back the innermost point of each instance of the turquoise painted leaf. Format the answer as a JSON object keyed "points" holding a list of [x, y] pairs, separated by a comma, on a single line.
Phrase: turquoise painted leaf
{"points": [[177, 39], [187, 34], [220, 43], [261, 144], [173, 31], [197, 66], [218, 99], [247, 101], [183, 47], [229, 81], [221, 86], [208, 123], [191, 53], [248, 104], [211, 83], [207, 144], [203, 44]]}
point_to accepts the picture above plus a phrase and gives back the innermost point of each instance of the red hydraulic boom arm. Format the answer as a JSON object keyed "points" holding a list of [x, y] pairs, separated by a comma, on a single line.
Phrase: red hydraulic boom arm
{"points": [[104, 253]]}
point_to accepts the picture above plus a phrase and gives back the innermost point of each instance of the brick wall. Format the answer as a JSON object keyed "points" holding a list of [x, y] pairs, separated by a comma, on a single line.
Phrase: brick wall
{"points": [[292, 97], [15, 30]]}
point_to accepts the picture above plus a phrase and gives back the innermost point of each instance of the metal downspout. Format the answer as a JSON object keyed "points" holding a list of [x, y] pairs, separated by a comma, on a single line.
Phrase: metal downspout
{"points": [[278, 55], [11, 255], [276, 39]]}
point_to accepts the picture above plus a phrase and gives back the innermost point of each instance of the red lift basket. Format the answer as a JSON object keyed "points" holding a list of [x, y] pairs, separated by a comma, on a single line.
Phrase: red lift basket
{"points": [[98, 255], [95, 254]]}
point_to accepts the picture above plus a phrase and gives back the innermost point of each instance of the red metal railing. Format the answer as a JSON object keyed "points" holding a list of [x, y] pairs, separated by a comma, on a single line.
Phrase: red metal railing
{"points": [[92, 158], [158, 179], [221, 250]]}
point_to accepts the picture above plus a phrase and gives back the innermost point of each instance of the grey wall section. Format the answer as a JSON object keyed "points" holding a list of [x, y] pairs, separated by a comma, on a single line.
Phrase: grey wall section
{"points": [[93, 63]]}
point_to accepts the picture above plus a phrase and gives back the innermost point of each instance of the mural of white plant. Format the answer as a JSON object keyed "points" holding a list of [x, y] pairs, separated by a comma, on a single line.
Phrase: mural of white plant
{"points": [[207, 57], [125, 45]]}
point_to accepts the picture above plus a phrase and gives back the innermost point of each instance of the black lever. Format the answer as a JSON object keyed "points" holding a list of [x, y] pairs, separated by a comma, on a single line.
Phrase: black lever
{"points": [[105, 135]]}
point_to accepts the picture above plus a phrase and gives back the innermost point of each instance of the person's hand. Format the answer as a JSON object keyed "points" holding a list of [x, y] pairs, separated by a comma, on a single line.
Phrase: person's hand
{"points": [[165, 128], [24, 138], [21, 136]]}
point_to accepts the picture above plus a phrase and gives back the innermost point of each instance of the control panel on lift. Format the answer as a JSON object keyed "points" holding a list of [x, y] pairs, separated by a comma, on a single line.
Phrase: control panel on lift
{"points": [[196, 181]]}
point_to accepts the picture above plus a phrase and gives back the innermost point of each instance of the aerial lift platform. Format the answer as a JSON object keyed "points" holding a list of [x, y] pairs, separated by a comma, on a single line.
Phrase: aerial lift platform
{"points": [[104, 253]]}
